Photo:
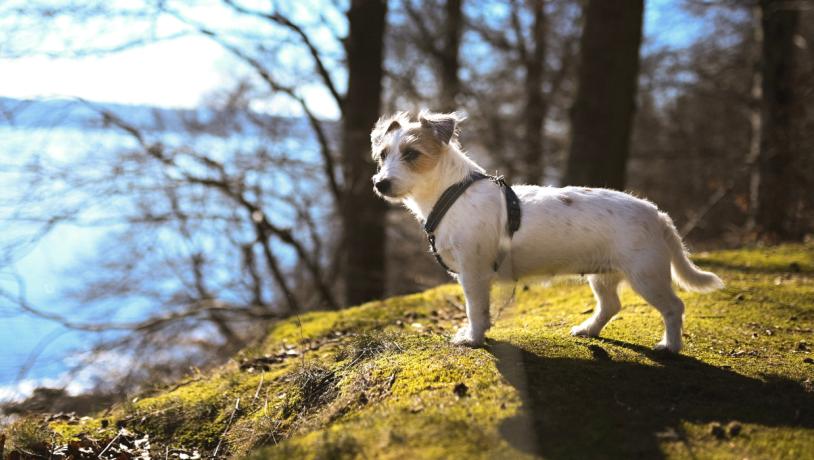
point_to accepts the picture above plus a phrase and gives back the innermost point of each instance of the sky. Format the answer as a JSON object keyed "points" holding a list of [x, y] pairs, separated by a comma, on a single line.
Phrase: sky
{"points": [[177, 73], [173, 74], [181, 72]]}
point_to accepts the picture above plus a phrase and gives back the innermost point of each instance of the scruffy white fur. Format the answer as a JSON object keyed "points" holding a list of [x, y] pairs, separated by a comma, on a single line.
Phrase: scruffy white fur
{"points": [[607, 235]]}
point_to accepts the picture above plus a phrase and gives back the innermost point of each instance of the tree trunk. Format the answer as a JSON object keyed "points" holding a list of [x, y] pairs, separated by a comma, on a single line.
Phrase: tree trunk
{"points": [[602, 114], [755, 121], [450, 83], [363, 213], [774, 164], [536, 106]]}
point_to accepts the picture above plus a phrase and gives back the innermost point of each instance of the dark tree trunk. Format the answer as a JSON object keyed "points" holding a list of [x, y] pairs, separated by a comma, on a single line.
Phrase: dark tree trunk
{"points": [[602, 114], [450, 84], [363, 213], [773, 214], [536, 106]]}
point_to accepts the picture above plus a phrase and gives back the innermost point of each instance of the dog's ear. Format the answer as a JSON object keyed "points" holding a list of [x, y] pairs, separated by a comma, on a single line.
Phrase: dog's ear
{"points": [[387, 124], [442, 125], [393, 125]]}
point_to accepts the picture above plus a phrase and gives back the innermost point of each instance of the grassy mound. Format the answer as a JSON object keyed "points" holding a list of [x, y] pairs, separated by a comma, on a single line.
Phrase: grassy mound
{"points": [[382, 381]]}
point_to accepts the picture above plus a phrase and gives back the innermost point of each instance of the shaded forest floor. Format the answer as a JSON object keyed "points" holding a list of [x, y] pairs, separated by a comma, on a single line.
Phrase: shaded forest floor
{"points": [[382, 381]]}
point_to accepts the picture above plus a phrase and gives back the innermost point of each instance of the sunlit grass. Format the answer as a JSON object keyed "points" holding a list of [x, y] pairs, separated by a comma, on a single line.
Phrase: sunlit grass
{"points": [[379, 381]]}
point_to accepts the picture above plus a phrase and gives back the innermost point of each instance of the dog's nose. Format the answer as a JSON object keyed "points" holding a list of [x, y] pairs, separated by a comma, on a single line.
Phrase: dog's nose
{"points": [[383, 186]]}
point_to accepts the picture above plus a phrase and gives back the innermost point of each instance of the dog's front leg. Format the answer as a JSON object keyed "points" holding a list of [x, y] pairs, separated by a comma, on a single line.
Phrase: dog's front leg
{"points": [[476, 290]]}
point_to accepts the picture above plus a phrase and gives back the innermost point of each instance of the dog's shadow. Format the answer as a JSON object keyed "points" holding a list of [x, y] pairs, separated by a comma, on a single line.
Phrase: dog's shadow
{"points": [[602, 408]]}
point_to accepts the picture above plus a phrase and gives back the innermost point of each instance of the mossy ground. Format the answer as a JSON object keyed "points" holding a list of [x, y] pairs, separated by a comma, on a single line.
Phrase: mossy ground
{"points": [[533, 391]]}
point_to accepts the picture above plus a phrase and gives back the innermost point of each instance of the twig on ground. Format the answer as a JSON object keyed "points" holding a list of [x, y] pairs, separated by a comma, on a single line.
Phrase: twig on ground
{"points": [[484, 354], [455, 304], [110, 444], [262, 376], [229, 425]]}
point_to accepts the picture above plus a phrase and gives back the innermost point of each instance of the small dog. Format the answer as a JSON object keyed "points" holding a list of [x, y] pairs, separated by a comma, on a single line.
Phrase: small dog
{"points": [[608, 235]]}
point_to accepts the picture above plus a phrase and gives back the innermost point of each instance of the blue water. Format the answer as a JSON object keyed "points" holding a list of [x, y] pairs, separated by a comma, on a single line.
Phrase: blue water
{"points": [[39, 269], [44, 270]]}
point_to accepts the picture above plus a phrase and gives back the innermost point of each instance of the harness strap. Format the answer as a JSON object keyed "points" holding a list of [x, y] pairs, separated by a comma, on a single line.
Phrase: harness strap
{"points": [[513, 220], [512, 204], [449, 197]]}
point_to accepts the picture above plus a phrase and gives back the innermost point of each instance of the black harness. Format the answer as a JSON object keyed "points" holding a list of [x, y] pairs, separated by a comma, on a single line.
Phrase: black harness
{"points": [[452, 193]]}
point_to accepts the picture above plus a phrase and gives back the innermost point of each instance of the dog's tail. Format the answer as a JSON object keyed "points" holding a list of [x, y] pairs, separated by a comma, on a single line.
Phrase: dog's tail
{"points": [[685, 272]]}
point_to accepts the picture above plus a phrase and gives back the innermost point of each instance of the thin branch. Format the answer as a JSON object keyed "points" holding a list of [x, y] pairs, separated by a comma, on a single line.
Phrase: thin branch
{"points": [[517, 28], [116, 49], [696, 218], [426, 40], [279, 19], [302, 214], [495, 39], [237, 405], [319, 130], [566, 60], [37, 351], [324, 150], [253, 210], [405, 82], [249, 265], [149, 325], [262, 221], [274, 266]]}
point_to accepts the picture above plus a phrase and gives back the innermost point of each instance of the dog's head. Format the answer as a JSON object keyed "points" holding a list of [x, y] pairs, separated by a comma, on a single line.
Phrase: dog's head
{"points": [[408, 152]]}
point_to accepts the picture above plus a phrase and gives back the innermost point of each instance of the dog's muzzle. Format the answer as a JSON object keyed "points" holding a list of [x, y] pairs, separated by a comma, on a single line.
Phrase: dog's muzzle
{"points": [[384, 187]]}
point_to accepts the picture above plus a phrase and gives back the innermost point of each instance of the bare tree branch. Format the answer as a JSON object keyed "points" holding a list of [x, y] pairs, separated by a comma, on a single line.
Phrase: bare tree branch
{"points": [[279, 19], [319, 129], [148, 325], [274, 266], [517, 28], [250, 265], [492, 37], [426, 39], [261, 219], [258, 215]]}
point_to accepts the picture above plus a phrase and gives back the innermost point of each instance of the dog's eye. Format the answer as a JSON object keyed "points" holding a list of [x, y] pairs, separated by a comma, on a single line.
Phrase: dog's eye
{"points": [[383, 155], [410, 155]]}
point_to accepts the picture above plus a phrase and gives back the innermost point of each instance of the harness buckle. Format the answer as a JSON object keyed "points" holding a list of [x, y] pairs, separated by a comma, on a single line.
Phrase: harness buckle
{"points": [[499, 180]]}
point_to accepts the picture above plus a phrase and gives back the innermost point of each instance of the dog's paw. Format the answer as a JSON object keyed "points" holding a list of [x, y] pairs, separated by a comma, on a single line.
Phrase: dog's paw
{"points": [[582, 331], [663, 346], [466, 338]]}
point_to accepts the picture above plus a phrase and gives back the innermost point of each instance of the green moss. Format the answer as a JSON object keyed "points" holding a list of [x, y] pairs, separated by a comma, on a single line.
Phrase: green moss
{"points": [[368, 344], [25, 434], [390, 385], [794, 258], [75, 430]]}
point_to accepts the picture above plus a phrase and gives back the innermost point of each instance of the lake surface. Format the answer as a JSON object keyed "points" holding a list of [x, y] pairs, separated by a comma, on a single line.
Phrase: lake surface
{"points": [[61, 133], [47, 347]]}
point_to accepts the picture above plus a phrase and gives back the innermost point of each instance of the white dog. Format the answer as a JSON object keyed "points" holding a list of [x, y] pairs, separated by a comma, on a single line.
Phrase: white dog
{"points": [[608, 235]]}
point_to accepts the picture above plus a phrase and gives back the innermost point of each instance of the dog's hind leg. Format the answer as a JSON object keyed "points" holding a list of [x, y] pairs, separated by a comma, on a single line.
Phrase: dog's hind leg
{"points": [[654, 285], [476, 291], [608, 304]]}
